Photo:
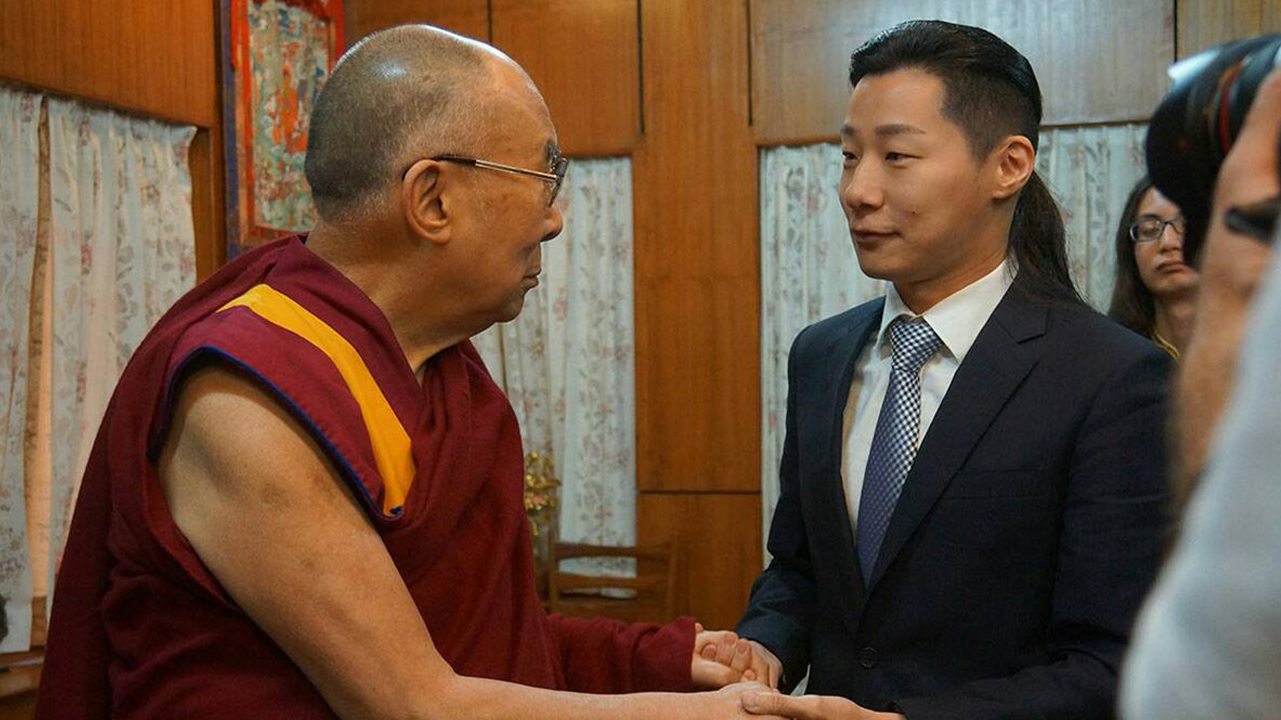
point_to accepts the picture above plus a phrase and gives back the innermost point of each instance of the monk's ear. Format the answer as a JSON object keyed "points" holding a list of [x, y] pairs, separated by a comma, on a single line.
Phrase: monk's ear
{"points": [[1010, 165], [425, 205]]}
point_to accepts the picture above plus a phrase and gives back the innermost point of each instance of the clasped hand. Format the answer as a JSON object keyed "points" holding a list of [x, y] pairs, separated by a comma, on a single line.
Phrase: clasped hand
{"points": [[722, 658], [809, 707]]}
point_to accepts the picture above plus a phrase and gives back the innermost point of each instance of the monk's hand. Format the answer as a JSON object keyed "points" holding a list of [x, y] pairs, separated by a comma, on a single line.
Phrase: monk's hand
{"points": [[721, 657], [809, 707]]}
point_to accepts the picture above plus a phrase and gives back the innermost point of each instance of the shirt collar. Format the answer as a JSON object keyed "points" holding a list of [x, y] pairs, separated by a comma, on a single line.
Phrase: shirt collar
{"points": [[959, 317]]}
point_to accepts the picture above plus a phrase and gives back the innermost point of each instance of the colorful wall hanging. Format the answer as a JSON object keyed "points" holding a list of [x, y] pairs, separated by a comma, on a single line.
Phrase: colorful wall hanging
{"points": [[280, 54]]}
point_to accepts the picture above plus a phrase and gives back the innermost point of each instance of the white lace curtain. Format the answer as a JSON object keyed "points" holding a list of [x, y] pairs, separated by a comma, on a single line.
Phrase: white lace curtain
{"points": [[115, 248], [19, 173], [568, 362], [1090, 170], [809, 272]]}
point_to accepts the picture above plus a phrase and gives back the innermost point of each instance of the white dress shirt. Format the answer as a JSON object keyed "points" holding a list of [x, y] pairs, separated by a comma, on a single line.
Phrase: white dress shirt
{"points": [[957, 321]]}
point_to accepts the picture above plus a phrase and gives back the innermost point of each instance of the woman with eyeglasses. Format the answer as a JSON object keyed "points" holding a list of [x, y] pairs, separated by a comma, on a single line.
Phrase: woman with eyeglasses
{"points": [[1155, 290]]}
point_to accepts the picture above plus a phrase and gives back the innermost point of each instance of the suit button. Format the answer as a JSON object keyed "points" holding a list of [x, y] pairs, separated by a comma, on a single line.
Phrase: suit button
{"points": [[867, 657]]}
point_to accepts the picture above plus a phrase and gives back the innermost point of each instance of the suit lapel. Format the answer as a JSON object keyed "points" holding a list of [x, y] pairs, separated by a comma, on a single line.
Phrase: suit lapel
{"points": [[843, 353], [1002, 355]]}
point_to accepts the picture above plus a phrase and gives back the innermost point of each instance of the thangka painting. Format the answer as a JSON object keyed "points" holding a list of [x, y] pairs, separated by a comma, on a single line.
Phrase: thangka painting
{"points": [[281, 54]]}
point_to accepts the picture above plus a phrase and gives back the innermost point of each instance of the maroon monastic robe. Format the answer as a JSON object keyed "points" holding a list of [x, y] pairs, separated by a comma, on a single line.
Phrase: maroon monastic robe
{"points": [[141, 629]]}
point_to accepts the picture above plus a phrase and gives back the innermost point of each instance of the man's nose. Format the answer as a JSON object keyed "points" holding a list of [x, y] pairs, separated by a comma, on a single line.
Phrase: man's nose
{"points": [[861, 188], [555, 222]]}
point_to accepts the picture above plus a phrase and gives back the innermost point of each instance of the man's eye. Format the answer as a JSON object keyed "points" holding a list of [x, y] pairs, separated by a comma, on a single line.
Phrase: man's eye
{"points": [[895, 157], [850, 157]]}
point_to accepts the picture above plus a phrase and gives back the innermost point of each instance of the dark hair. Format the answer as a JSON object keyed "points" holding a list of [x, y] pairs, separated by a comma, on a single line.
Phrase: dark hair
{"points": [[1132, 303], [990, 92]]}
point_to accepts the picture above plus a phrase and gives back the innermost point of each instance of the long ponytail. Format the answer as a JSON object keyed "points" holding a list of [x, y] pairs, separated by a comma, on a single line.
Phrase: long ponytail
{"points": [[1038, 243]]}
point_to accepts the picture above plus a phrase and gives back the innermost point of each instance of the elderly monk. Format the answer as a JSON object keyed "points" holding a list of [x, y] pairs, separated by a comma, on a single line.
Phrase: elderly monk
{"points": [[305, 498]]}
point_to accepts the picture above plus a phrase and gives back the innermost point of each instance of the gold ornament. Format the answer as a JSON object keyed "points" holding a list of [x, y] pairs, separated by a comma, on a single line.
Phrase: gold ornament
{"points": [[541, 491]]}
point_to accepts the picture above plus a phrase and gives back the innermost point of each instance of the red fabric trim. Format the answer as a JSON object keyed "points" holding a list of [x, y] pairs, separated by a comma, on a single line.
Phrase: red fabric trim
{"points": [[327, 10], [337, 44], [240, 55]]}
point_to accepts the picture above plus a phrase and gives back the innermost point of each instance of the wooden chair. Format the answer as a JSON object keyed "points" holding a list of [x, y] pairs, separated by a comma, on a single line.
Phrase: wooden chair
{"points": [[648, 597]]}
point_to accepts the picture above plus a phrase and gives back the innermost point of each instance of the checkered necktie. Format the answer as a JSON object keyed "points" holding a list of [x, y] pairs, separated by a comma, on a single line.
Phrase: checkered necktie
{"points": [[894, 444]]}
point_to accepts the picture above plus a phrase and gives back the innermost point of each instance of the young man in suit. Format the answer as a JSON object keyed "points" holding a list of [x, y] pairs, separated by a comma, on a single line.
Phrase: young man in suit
{"points": [[972, 480]]}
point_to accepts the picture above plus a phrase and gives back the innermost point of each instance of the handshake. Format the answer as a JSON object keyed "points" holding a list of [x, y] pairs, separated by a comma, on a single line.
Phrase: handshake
{"points": [[722, 658], [749, 671]]}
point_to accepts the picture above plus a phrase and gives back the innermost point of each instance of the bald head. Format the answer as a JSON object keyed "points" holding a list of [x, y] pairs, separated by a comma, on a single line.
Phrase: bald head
{"points": [[398, 95]]}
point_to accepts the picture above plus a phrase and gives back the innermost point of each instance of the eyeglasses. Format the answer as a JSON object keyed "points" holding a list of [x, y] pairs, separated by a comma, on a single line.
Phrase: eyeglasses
{"points": [[556, 178], [1151, 227]]}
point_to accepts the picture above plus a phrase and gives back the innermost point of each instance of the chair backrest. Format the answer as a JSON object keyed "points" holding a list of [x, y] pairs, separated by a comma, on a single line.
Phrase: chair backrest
{"points": [[650, 596]]}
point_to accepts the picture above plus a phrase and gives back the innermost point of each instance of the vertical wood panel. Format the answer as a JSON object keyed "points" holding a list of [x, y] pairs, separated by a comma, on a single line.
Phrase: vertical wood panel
{"points": [[697, 253], [719, 539], [155, 57], [584, 58], [465, 17], [1096, 60], [208, 204], [1206, 23]]}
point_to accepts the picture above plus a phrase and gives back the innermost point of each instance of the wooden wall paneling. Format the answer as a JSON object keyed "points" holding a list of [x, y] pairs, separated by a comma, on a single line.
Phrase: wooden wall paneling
{"points": [[1096, 60], [697, 254], [208, 204], [800, 67], [718, 537], [584, 57], [18, 689], [155, 57], [1206, 23], [465, 17]]}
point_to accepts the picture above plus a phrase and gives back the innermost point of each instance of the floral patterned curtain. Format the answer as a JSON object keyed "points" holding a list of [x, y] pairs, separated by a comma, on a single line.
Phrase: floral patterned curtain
{"points": [[19, 180], [1090, 170], [114, 248], [809, 271], [568, 362]]}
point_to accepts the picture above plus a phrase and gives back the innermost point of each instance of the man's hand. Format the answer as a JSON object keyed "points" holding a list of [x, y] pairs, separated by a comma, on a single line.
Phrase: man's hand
{"points": [[1232, 266], [1231, 262], [721, 657], [725, 703], [809, 707]]}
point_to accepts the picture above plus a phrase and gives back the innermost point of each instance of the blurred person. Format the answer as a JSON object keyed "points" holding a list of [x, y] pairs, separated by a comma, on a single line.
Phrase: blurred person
{"points": [[1155, 290], [1208, 643]]}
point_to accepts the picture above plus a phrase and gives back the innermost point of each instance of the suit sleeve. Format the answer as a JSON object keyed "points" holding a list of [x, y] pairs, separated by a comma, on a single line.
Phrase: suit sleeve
{"points": [[600, 655], [1111, 541], [781, 608]]}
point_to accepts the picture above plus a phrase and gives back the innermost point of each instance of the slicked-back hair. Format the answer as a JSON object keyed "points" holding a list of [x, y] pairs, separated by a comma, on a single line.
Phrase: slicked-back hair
{"points": [[990, 92], [400, 94]]}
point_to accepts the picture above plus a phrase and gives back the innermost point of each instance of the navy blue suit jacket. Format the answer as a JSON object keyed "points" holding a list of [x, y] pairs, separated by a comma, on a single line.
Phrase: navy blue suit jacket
{"points": [[1028, 531]]}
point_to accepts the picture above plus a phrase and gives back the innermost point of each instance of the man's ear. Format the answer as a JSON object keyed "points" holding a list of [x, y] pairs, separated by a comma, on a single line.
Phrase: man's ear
{"points": [[422, 194], [1011, 164]]}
